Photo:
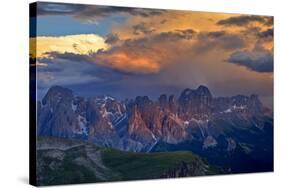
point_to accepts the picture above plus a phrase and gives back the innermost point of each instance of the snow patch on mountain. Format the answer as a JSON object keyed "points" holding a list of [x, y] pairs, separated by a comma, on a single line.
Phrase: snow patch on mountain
{"points": [[105, 113], [228, 110], [108, 98], [186, 123], [240, 107], [121, 119]]}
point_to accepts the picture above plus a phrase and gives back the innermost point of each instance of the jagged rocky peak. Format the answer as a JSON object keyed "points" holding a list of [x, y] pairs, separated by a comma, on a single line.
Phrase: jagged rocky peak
{"points": [[255, 105], [250, 105], [239, 100], [188, 94], [172, 99], [55, 94], [173, 104], [163, 100], [142, 101], [105, 98], [102, 101], [252, 101], [203, 90], [255, 100], [195, 101]]}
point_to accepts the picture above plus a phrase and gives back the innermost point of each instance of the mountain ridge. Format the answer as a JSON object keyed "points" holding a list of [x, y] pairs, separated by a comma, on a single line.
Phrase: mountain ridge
{"points": [[227, 124]]}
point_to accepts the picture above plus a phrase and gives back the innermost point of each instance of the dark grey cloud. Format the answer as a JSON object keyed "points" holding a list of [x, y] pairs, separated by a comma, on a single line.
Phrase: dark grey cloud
{"points": [[142, 28], [219, 39], [91, 12], [245, 20], [147, 42], [176, 35], [216, 34], [258, 32], [56, 62], [71, 69], [67, 56], [50, 68], [260, 61], [111, 38], [267, 34], [48, 8]]}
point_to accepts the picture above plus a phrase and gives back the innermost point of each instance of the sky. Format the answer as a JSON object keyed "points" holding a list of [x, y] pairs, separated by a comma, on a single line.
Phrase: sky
{"points": [[126, 52]]}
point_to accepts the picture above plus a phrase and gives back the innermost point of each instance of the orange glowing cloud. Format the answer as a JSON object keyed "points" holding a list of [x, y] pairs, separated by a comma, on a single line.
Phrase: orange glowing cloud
{"points": [[128, 63], [152, 53]]}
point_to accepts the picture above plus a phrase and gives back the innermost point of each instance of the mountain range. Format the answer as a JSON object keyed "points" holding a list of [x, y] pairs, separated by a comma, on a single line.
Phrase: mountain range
{"points": [[235, 133]]}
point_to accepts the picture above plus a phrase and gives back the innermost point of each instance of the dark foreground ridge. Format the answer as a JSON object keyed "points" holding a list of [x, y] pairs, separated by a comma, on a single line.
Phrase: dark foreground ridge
{"points": [[65, 161]]}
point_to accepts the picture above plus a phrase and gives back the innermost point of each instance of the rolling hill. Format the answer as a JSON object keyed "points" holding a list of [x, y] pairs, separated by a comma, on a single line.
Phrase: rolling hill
{"points": [[64, 161]]}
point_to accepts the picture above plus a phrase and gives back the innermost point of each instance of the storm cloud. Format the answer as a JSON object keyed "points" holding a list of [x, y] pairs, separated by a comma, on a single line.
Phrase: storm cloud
{"points": [[267, 33], [260, 61], [244, 20], [91, 13]]}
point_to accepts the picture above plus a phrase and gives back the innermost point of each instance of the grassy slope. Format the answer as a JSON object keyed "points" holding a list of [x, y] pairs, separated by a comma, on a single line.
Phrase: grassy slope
{"points": [[119, 165], [144, 165]]}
